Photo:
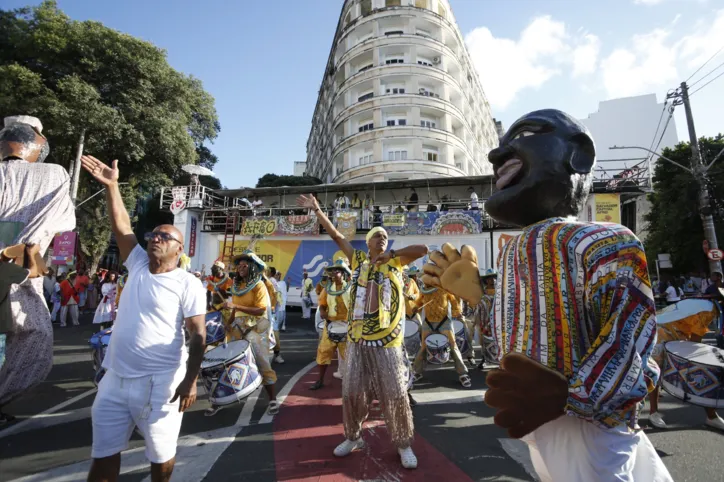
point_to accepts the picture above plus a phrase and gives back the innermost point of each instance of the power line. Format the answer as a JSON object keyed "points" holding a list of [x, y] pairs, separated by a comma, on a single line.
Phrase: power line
{"points": [[704, 64], [712, 80], [651, 147], [663, 132], [707, 75]]}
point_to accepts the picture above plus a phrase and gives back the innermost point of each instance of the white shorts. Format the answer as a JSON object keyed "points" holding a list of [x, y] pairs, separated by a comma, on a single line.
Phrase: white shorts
{"points": [[122, 403], [571, 449]]}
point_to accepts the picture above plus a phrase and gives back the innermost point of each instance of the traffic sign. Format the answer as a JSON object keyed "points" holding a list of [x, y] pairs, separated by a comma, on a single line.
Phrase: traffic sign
{"points": [[715, 254]]}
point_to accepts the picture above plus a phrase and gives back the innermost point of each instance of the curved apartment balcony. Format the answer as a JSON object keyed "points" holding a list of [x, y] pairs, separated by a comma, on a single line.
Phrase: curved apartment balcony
{"points": [[408, 166], [399, 100], [407, 11], [401, 132], [397, 69], [404, 39]]}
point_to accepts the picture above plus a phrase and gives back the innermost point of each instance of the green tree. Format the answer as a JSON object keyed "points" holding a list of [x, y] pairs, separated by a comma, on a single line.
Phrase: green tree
{"points": [[274, 180], [119, 90], [674, 224]]}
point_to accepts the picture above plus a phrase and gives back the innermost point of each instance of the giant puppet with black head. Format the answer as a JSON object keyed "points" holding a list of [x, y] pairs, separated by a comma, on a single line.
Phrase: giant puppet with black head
{"points": [[573, 316], [35, 204]]}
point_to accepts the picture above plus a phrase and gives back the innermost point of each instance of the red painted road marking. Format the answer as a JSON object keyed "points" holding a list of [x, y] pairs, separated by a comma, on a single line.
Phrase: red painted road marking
{"points": [[309, 427]]}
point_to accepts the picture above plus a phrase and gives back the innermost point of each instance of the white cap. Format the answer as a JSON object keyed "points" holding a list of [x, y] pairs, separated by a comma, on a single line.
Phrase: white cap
{"points": [[24, 119]]}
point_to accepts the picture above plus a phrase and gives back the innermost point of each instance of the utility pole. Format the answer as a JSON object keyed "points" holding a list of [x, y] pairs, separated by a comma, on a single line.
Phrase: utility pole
{"points": [[699, 172], [75, 181]]}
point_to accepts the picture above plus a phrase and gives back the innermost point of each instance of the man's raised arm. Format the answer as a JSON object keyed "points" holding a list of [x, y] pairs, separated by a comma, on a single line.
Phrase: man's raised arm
{"points": [[120, 220], [311, 203]]}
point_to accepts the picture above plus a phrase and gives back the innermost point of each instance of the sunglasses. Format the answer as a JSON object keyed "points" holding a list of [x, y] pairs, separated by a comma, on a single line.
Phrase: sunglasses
{"points": [[165, 237]]}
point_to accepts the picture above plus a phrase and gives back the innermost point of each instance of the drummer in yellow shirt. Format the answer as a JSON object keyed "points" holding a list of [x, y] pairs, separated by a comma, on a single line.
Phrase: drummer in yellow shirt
{"points": [[691, 328], [250, 303], [334, 303], [436, 302], [411, 293]]}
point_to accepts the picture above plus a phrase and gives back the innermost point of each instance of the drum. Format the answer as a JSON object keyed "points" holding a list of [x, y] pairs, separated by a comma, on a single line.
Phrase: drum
{"points": [[413, 337], [461, 336], [490, 350], [229, 372], [319, 322], [438, 349], [686, 309], [694, 373], [99, 344], [337, 331], [215, 331]]}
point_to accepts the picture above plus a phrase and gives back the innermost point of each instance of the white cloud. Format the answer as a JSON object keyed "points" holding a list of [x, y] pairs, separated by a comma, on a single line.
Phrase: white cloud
{"points": [[647, 2], [658, 60], [585, 56], [543, 48]]}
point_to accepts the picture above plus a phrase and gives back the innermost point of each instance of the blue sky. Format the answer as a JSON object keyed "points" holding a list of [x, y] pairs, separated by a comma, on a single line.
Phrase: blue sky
{"points": [[263, 61]]}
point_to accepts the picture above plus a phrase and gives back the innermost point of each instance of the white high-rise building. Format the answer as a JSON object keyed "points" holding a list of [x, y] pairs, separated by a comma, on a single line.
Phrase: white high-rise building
{"points": [[400, 98]]}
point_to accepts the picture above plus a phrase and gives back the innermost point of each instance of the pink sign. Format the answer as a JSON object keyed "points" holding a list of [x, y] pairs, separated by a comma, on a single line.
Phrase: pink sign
{"points": [[64, 248]]}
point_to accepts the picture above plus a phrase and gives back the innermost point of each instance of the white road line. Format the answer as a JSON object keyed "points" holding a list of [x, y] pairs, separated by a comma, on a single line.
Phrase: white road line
{"points": [[435, 397], [20, 426], [286, 389]]}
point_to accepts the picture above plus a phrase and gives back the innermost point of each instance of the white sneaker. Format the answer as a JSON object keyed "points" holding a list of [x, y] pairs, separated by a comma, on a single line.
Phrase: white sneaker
{"points": [[657, 420], [279, 359], [716, 423], [348, 446], [337, 375], [407, 457]]}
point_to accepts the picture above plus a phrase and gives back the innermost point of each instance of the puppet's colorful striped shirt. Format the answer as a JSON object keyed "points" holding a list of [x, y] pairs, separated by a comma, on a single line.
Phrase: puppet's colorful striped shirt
{"points": [[577, 298]]}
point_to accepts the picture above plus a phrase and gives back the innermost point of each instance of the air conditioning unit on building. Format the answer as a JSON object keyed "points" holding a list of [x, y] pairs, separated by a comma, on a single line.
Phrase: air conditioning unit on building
{"points": [[436, 60]]}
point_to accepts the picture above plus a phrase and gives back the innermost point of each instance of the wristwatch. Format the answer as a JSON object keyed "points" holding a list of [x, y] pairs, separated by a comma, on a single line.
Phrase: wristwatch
{"points": [[393, 255]]}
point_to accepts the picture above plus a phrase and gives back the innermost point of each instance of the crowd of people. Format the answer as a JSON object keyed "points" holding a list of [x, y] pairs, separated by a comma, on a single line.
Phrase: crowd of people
{"points": [[576, 359]]}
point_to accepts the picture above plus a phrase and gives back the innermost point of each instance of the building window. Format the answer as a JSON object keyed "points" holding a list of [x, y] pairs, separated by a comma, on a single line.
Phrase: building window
{"points": [[395, 90], [397, 155], [441, 10], [365, 159], [394, 32], [369, 66], [395, 60], [428, 123], [367, 126], [348, 17], [393, 3], [365, 7], [396, 122], [429, 154], [424, 61], [366, 96], [421, 3], [428, 92], [423, 33]]}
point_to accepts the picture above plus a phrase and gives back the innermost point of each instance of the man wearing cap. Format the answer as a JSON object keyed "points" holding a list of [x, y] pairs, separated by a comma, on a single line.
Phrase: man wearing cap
{"points": [[436, 303], [34, 205], [412, 293], [250, 304], [334, 305], [375, 360], [218, 285]]}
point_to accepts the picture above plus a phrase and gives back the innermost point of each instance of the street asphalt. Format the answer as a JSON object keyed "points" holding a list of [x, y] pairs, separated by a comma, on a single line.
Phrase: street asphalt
{"points": [[455, 435]]}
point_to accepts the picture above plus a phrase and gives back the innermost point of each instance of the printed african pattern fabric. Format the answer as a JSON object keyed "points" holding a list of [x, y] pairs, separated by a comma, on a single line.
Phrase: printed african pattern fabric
{"points": [[577, 298], [368, 331]]}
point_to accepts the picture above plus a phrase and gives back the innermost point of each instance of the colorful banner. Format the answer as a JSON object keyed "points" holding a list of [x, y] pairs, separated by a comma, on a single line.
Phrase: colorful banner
{"points": [[393, 220], [347, 223], [280, 226], [291, 258], [64, 248], [448, 222], [192, 238], [608, 208]]}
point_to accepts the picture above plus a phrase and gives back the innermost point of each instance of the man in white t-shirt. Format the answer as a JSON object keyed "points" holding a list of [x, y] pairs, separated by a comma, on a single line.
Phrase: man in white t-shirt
{"points": [[474, 206], [150, 376], [282, 292]]}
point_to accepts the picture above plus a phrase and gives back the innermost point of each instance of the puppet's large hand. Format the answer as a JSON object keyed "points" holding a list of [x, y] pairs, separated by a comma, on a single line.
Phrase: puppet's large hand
{"points": [[526, 394], [455, 272], [26, 256]]}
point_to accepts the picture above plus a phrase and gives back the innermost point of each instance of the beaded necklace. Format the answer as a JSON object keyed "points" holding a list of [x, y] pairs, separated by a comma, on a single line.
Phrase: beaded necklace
{"points": [[425, 290], [333, 292], [221, 282], [236, 290]]}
